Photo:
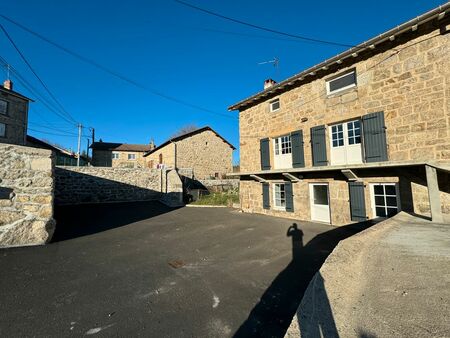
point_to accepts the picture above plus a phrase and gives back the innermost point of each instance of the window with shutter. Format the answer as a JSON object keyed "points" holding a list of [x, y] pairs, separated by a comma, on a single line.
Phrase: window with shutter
{"points": [[266, 196], [374, 131], [298, 155], [265, 154], [357, 201], [318, 146]]}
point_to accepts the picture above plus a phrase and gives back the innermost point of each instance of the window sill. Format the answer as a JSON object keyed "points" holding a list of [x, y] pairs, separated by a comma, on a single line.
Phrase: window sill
{"points": [[342, 92]]}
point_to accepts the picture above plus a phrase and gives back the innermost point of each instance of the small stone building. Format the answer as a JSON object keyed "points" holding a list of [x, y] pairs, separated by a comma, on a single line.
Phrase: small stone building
{"points": [[107, 154], [359, 136], [203, 150], [13, 115]]}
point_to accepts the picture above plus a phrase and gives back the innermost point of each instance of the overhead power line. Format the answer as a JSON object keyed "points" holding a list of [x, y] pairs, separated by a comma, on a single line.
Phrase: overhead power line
{"points": [[270, 30], [35, 74], [38, 96], [116, 74]]}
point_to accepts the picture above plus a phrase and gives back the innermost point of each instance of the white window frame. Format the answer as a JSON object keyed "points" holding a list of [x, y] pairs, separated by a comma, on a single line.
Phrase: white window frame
{"points": [[372, 198], [5, 112], [336, 78], [115, 155], [271, 103], [280, 199], [133, 157], [282, 143], [4, 130]]}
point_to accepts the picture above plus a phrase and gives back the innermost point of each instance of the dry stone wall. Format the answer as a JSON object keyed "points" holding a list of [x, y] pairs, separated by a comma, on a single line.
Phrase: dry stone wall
{"points": [[26, 195], [75, 185]]}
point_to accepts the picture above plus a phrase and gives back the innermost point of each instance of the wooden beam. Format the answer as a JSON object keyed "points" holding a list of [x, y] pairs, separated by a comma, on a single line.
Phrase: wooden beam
{"points": [[351, 176], [258, 178], [292, 178]]}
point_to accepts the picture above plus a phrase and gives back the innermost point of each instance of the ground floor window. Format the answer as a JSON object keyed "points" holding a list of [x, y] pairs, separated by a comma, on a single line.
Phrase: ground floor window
{"points": [[279, 195], [2, 130], [385, 201]]}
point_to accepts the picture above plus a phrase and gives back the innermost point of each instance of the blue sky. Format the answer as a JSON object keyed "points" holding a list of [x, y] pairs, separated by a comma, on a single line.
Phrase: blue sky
{"points": [[183, 53]]}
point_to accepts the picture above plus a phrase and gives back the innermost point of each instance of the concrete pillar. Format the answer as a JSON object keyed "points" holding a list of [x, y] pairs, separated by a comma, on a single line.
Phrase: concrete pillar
{"points": [[433, 195]]}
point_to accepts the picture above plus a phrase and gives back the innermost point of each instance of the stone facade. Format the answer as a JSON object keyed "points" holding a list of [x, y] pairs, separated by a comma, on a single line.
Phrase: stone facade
{"points": [[103, 158], [75, 185], [205, 152], [26, 195], [408, 80], [14, 121]]}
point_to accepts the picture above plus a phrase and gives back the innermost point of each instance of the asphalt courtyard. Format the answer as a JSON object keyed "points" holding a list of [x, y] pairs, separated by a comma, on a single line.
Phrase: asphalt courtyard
{"points": [[142, 269]]}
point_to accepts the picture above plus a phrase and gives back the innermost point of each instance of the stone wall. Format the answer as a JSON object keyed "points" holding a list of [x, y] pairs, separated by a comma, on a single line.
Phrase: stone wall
{"points": [[206, 153], [220, 185], [76, 185], [168, 156], [26, 195], [15, 118], [411, 87]]}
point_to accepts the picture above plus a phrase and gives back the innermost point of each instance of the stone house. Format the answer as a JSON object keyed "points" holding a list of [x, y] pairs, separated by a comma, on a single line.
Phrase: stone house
{"points": [[359, 136], [107, 154], [63, 156], [13, 115], [203, 150]]}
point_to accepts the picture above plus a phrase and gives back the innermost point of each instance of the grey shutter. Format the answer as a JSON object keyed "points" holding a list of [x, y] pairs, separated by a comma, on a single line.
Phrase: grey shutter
{"points": [[374, 132], [266, 197], [319, 146], [357, 201], [298, 155], [289, 194], [265, 153]]}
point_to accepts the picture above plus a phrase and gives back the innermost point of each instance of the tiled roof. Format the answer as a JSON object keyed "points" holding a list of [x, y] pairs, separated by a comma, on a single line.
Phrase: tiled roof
{"points": [[121, 146]]}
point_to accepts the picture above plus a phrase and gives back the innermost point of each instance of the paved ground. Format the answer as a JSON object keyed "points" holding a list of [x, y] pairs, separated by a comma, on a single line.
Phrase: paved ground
{"points": [[142, 269], [390, 281]]}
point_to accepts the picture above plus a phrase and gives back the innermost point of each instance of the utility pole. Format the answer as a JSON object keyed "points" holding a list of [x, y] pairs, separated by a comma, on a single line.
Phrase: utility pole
{"points": [[87, 149], [79, 144]]}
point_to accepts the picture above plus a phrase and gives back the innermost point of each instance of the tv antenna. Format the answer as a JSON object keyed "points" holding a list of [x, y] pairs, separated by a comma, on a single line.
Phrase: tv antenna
{"points": [[275, 62]]}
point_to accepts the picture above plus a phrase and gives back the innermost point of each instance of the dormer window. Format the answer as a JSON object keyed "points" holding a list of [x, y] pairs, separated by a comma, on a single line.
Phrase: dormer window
{"points": [[341, 82], [274, 105]]}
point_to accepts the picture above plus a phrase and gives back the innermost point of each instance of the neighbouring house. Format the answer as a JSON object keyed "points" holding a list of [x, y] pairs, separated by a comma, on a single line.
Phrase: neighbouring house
{"points": [[359, 136], [107, 154], [13, 115], [203, 150], [63, 157]]}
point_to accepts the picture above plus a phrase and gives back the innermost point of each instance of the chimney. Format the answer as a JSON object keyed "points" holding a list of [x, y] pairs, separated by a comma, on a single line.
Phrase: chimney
{"points": [[268, 83], [7, 84], [152, 144]]}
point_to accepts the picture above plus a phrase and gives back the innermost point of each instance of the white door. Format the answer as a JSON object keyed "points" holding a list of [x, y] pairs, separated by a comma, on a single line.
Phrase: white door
{"points": [[282, 152], [320, 202], [345, 143]]}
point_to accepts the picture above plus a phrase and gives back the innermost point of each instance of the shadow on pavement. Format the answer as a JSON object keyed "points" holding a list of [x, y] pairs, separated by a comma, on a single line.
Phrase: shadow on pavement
{"points": [[74, 221], [277, 306]]}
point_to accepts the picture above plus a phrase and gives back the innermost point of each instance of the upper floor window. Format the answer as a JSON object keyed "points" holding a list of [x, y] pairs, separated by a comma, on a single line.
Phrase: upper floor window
{"points": [[342, 82], [283, 145], [274, 105], [3, 107], [2, 130], [115, 156], [131, 156]]}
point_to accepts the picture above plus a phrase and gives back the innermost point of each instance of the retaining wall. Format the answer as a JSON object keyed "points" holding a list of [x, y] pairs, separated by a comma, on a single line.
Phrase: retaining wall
{"points": [[26, 195], [76, 185]]}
